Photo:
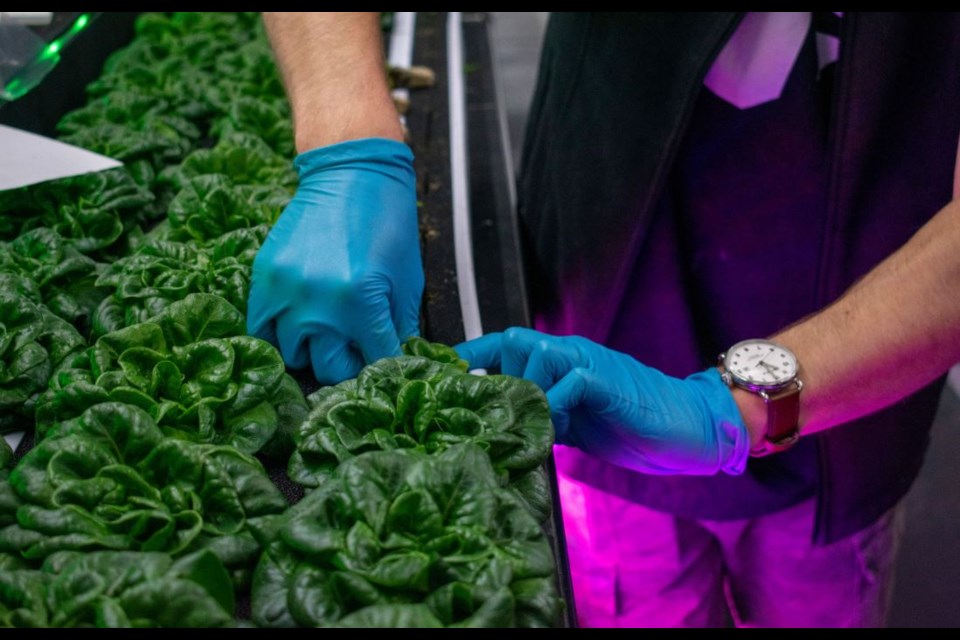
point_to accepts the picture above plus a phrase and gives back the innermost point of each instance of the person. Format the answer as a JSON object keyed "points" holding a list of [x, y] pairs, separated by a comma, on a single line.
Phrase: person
{"points": [[690, 182]]}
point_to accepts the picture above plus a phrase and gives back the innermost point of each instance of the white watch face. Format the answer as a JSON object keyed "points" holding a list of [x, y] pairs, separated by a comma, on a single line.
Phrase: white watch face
{"points": [[761, 363]]}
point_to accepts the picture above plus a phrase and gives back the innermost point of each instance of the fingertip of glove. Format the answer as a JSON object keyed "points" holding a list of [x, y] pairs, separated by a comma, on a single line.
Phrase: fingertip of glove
{"points": [[261, 330], [329, 370]]}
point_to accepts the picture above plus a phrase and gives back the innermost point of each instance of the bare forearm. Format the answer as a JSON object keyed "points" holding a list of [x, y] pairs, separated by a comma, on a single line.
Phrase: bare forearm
{"points": [[334, 72], [890, 334]]}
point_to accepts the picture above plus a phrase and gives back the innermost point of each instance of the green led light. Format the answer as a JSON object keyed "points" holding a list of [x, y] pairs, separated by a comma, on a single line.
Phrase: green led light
{"points": [[78, 26], [16, 88], [31, 75]]}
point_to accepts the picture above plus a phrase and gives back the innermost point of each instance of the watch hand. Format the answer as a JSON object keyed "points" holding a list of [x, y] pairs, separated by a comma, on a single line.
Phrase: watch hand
{"points": [[764, 358]]}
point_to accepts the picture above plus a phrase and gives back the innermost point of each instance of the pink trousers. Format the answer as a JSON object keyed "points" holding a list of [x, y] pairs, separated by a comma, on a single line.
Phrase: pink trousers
{"points": [[635, 567]]}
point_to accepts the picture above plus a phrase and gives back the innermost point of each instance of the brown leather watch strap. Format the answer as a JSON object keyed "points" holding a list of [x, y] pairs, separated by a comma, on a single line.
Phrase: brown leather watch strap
{"points": [[783, 415]]}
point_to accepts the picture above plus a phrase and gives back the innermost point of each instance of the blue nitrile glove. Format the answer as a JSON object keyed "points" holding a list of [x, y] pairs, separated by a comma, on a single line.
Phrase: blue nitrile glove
{"points": [[338, 281], [617, 409]]}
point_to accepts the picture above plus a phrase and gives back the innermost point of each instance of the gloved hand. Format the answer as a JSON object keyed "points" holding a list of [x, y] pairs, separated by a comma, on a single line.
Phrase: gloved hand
{"points": [[617, 409], [338, 281]]}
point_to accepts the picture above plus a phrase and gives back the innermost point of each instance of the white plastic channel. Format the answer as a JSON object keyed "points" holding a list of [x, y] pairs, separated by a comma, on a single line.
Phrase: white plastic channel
{"points": [[462, 243], [400, 52]]}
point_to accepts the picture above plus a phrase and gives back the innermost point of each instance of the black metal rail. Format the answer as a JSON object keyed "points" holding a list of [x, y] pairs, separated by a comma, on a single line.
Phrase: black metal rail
{"points": [[498, 265]]}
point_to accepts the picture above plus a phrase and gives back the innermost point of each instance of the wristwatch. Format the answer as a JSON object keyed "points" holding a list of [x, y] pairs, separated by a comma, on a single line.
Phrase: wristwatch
{"points": [[769, 370]]}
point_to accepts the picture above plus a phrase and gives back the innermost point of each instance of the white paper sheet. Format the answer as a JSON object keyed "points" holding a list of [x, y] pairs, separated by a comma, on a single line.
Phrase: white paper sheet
{"points": [[26, 158]]}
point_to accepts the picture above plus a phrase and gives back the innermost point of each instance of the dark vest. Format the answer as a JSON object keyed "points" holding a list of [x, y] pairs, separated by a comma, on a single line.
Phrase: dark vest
{"points": [[612, 104]]}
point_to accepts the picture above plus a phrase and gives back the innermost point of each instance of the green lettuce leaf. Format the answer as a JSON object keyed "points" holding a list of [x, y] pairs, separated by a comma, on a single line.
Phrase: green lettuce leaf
{"points": [[33, 344], [193, 372], [208, 205], [118, 589], [430, 404], [59, 276], [269, 120], [110, 480], [243, 158], [92, 212], [417, 346], [162, 272], [144, 132], [405, 538]]}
